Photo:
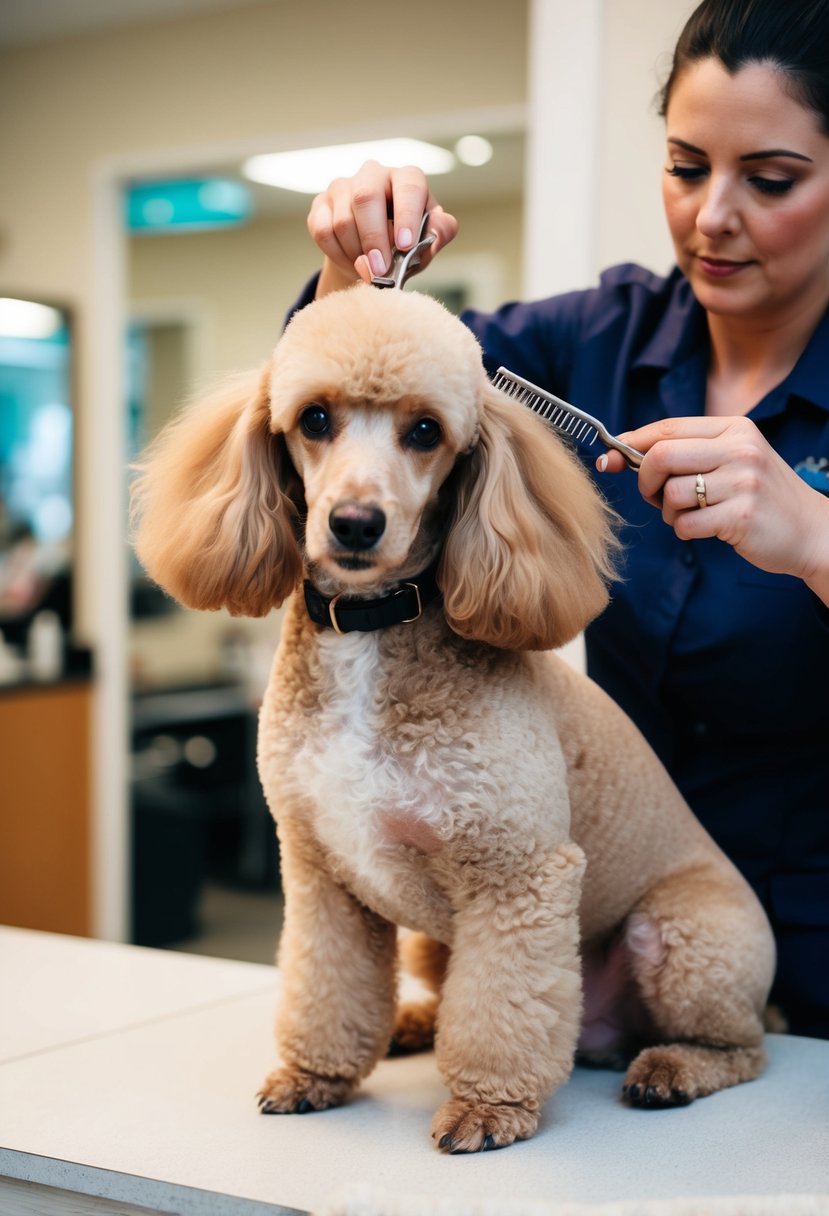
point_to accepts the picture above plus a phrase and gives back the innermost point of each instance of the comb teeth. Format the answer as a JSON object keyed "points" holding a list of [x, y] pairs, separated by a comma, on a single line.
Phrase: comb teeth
{"points": [[559, 417]]}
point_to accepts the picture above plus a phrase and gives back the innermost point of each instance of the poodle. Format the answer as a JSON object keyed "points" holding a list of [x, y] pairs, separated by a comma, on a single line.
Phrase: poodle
{"points": [[428, 763]]}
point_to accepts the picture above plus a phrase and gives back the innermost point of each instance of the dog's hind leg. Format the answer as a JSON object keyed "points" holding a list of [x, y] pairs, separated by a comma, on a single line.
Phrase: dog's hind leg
{"points": [[337, 960], [702, 956], [414, 1022], [511, 1002]]}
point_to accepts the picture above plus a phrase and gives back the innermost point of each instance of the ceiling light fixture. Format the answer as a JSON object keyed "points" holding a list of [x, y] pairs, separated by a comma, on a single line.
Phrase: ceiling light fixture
{"points": [[474, 150], [310, 170], [25, 319]]}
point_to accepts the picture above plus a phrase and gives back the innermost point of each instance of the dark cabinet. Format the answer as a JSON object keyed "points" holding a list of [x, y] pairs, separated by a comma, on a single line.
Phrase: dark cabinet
{"points": [[198, 812]]}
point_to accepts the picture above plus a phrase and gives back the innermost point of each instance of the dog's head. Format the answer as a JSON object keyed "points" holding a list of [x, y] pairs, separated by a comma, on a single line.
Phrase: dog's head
{"points": [[377, 393], [371, 441]]}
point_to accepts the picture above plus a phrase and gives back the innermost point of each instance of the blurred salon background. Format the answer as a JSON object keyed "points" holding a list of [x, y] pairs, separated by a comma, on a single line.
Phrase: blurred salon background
{"points": [[149, 243]]}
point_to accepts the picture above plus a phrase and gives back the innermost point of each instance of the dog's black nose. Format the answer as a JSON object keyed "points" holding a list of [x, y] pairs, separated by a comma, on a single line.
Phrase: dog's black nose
{"points": [[356, 526]]}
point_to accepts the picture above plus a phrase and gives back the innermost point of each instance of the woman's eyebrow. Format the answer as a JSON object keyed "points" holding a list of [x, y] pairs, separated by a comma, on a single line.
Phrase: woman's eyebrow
{"points": [[769, 152], [681, 143], [765, 154]]}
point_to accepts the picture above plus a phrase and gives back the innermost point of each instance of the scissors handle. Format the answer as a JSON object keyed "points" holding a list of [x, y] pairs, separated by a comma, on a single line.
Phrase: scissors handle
{"points": [[406, 262]]}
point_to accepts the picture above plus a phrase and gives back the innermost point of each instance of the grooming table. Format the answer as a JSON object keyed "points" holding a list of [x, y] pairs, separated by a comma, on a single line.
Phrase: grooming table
{"points": [[130, 1074]]}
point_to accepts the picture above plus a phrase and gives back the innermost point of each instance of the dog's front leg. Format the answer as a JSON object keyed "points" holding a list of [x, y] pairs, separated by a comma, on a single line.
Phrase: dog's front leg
{"points": [[511, 1003], [336, 1009]]}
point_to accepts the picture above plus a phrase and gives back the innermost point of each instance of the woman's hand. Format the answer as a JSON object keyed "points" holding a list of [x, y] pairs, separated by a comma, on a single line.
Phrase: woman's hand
{"points": [[755, 501], [358, 219]]}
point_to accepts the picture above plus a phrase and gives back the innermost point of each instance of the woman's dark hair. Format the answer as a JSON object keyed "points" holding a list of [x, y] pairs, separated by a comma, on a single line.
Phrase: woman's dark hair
{"points": [[789, 35]]}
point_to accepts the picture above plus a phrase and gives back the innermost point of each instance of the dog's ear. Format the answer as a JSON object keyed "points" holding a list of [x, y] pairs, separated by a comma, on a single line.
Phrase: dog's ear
{"points": [[530, 547], [215, 502]]}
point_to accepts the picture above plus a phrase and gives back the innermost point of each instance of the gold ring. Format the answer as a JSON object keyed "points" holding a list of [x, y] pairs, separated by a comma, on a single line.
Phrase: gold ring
{"points": [[702, 501]]}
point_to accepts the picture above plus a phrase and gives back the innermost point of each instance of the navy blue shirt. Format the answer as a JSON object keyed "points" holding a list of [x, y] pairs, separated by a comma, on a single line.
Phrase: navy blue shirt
{"points": [[724, 667]]}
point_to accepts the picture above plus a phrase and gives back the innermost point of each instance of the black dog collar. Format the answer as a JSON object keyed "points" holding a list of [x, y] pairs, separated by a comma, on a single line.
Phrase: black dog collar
{"points": [[350, 615]]}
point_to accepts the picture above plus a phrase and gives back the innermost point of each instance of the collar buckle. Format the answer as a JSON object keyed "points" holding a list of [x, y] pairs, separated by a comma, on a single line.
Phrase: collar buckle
{"points": [[407, 620], [332, 614]]}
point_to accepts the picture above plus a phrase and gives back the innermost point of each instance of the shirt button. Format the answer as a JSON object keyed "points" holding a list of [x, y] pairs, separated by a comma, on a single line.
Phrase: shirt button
{"points": [[687, 556]]}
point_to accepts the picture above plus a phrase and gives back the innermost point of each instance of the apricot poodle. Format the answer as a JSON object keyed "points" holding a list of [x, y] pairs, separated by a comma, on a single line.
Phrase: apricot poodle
{"points": [[427, 764]]}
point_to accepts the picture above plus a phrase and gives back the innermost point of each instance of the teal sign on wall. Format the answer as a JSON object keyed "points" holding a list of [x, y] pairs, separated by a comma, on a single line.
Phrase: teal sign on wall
{"points": [[187, 204]]}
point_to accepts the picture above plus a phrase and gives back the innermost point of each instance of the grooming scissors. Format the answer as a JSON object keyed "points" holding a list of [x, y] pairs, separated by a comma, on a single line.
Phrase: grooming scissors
{"points": [[406, 262]]}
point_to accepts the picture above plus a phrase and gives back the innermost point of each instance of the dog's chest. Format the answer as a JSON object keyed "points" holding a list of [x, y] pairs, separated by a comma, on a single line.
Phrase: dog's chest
{"points": [[378, 790]]}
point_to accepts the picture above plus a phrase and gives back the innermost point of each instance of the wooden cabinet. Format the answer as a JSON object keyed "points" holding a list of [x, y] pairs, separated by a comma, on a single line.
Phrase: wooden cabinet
{"points": [[45, 828]]}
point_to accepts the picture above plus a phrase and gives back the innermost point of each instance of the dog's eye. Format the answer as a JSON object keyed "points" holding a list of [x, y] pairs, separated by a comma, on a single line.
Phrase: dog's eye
{"points": [[425, 434], [315, 421]]}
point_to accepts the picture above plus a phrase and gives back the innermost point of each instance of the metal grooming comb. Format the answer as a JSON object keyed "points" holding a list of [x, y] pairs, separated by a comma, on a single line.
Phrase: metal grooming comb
{"points": [[406, 262], [568, 419]]}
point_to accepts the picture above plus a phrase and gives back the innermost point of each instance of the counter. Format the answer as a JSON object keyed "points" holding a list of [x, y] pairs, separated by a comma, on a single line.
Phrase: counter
{"points": [[130, 1074]]}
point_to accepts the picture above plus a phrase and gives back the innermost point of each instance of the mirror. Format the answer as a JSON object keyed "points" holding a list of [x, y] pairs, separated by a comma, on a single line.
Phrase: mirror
{"points": [[205, 302], [36, 469]]}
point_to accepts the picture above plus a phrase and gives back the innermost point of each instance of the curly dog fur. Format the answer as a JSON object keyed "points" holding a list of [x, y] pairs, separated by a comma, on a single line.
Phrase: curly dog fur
{"points": [[447, 774]]}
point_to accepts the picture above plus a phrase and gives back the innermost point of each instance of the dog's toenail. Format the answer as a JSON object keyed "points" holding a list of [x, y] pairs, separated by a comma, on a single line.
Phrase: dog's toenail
{"points": [[634, 1093], [445, 1141], [303, 1107], [489, 1143]]}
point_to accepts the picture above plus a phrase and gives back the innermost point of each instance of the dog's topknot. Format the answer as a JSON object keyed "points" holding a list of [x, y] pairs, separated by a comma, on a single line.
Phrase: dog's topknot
{"points": [[415, 347]]}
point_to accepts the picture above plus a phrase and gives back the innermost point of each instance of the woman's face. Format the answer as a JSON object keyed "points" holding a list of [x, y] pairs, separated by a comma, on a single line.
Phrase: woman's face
{"points": [[746, 193]]}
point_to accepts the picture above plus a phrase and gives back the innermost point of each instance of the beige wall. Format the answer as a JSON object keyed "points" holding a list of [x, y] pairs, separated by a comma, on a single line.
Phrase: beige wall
{"points": [[244, 279], [241, 281], [638, 37]]}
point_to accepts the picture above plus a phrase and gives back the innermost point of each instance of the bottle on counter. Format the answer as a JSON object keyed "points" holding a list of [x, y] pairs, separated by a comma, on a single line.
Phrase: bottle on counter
{"points": [[45, 647]]}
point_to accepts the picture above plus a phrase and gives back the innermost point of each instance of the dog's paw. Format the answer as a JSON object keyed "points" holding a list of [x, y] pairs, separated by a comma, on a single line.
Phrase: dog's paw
{"points": [[414, 1028], [660, 1077], [462, 1126], [292, 1091]]}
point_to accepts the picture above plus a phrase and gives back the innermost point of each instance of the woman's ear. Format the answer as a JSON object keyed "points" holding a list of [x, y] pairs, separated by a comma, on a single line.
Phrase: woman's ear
{"points": [[215, 504], [530, 548]]}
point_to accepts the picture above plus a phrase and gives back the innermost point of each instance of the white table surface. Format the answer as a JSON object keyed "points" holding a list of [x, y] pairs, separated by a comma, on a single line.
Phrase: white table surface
{"points": [[131, 1073]]}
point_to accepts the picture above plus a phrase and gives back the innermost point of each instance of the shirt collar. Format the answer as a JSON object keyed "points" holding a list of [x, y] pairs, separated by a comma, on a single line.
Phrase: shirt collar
{"points": [[809, 378], [680, 331], [681, 334]]}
